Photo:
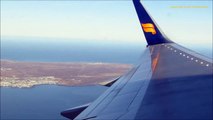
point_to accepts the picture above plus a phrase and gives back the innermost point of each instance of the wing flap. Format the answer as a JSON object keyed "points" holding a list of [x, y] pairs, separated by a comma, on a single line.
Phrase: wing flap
{"points": [[169, 82]]}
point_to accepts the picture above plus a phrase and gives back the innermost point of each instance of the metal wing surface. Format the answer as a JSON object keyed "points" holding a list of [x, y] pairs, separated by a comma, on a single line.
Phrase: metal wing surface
{"points": [[169, 82]]}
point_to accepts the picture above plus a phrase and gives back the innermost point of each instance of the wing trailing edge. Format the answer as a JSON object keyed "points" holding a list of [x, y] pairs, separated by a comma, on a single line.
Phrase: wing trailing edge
{"points": [[75, 111], [149, 90]]}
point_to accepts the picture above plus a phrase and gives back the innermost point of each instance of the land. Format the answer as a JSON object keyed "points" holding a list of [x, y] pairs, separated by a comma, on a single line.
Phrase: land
{"points": [[29, 74]]}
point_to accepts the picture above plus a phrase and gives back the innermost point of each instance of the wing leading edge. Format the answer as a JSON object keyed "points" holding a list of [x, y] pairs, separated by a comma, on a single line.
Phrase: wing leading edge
{"points": [[169, 82]]}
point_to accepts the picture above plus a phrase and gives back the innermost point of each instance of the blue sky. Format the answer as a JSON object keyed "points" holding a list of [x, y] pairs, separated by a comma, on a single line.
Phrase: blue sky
{"points": [[114, 21]]}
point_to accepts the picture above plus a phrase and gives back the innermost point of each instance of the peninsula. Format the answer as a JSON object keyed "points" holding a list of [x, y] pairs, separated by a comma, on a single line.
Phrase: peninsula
{"points": [[28, 74]]}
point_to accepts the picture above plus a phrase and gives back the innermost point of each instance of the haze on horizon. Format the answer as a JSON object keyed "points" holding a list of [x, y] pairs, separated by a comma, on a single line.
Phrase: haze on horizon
{"points": [[113, 21]]}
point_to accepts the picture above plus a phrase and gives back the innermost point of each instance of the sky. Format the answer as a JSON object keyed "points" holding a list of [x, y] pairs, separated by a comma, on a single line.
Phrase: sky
{"points": [[114, 21]]}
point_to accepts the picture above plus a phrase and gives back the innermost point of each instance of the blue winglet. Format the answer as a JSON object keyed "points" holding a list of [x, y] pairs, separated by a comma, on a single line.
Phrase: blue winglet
{"points": [[151, 31]]}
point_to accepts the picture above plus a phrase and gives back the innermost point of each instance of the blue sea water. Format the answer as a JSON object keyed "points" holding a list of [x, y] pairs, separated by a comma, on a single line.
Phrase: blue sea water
{"points": [[59, 50], [69, 51], [47, 101]]}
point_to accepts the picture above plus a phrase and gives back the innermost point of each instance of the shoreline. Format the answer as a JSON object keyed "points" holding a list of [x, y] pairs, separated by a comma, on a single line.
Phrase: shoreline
{"points": [[29, 74], [34, 86]]}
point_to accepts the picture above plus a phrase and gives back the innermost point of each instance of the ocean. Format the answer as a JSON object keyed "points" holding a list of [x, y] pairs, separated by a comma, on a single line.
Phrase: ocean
{"points": [[44, 101], [47, 101], [60, 50], [69, 51]]}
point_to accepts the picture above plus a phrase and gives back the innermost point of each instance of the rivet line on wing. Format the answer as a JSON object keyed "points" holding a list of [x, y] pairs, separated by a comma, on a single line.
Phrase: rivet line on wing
{"points": [[185, 55]]}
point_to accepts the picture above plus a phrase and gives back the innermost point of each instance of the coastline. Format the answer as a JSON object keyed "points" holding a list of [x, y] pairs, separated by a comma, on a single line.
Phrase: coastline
{"points": [[17, 74], [34, 86]]}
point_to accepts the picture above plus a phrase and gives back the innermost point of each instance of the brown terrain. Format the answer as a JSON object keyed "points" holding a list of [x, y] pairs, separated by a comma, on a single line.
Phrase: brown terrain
{"points": [[28, 74]]}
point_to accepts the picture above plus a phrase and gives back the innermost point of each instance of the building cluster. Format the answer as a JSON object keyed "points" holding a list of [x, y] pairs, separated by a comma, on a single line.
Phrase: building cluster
{"points": [[28, 81]]}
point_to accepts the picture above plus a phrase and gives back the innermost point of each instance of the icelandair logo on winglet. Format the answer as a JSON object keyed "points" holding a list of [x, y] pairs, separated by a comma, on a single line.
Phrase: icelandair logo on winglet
{"points": [[149, 27]]}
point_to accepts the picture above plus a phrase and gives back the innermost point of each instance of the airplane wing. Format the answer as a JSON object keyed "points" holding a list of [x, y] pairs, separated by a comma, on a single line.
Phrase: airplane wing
{"points": [[169, 82]]}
